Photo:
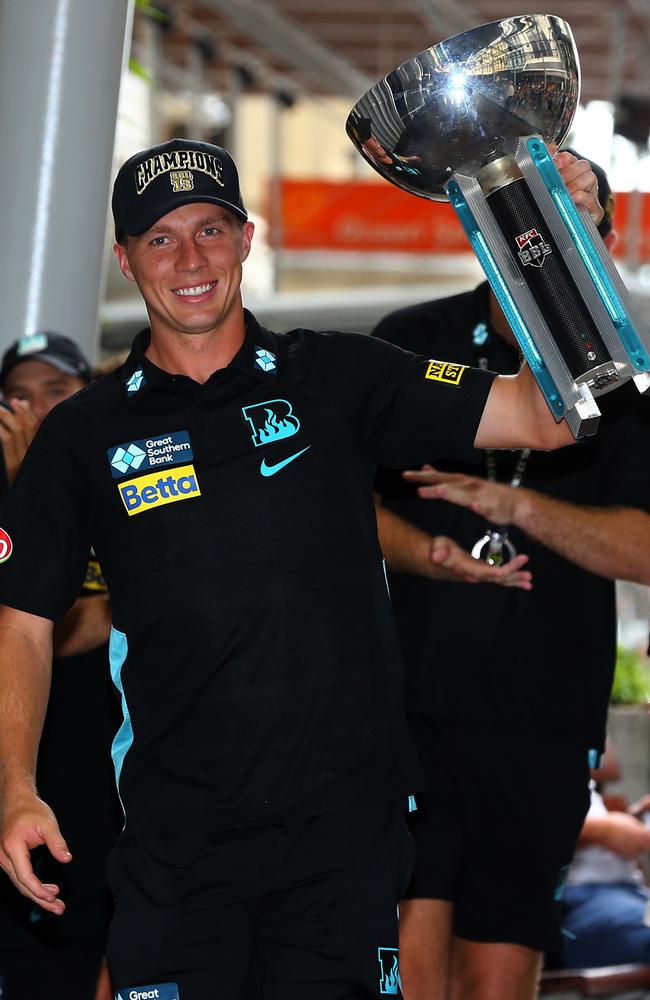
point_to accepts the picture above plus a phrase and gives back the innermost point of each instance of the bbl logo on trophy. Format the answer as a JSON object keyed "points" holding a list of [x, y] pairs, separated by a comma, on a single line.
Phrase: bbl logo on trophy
{"points": [[533, 248]]}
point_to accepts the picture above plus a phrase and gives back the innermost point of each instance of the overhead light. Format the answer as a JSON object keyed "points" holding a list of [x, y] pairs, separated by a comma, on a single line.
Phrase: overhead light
{"points": [[284, 98], [206, 47], [245, 76]]}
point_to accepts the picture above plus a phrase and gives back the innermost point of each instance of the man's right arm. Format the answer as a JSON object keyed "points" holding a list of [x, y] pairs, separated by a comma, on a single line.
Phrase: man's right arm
{"points": [[27, 822]]}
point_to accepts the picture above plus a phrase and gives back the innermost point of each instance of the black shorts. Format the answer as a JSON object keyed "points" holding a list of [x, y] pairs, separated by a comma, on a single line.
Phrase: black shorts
{"points": [[304, 910], [496, 829]]}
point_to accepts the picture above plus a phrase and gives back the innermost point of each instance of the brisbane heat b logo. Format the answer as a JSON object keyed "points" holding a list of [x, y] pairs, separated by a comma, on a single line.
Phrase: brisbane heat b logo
{"points": [[389, 978], [271, 421]]}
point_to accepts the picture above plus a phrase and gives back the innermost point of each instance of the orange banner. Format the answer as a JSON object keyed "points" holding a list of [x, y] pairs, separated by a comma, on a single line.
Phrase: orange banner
{"points": [[371, 216], [325, 215], [632, 220]]}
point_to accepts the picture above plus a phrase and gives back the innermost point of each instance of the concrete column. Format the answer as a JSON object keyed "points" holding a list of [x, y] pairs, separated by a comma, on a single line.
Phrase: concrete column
{"points": [[236, 89], [152, 48], [196, 87], [60, 68]]}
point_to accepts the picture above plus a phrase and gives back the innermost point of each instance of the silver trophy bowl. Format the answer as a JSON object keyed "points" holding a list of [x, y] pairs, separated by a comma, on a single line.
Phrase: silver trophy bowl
{"points": [[466, 101]]}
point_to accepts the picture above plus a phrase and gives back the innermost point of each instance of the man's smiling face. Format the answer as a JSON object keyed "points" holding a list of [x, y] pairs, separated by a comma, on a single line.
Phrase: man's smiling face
{"points": [[188, 267]]}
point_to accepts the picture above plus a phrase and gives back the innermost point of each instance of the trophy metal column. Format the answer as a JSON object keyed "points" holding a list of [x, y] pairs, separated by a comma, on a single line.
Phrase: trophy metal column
{"points": [[467, 121]]}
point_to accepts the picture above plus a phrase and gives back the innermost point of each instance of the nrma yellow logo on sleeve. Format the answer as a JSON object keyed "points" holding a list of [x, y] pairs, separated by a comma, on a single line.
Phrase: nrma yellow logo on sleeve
{"points": [[158, 489], [445, 371]]}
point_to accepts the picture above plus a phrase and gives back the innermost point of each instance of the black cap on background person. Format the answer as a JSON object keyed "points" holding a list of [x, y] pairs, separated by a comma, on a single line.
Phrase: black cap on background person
{"points": [[53, 349], [155, 181], [31, 391]]}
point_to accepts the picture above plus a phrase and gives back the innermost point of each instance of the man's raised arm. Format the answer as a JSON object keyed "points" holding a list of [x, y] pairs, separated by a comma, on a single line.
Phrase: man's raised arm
{"points": [[516, 415]]}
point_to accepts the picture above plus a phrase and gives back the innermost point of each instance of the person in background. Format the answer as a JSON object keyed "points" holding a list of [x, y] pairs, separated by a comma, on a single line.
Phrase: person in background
{"points": [[41, 957], [606, 900], [506, 683]]}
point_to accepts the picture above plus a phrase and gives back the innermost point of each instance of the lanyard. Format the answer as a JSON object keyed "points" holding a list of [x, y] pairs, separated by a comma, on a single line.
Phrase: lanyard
{"points": [[494, 547]]}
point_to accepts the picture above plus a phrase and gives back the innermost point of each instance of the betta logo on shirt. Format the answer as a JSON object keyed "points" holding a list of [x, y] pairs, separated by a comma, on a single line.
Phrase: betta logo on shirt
{"points": [[169, 448], [6, 546], [159, 489]]}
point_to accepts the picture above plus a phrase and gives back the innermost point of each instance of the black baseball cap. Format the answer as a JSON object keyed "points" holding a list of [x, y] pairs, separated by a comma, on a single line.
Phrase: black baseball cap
{"points": [[53, 348], [179, 172], [605, 193]]}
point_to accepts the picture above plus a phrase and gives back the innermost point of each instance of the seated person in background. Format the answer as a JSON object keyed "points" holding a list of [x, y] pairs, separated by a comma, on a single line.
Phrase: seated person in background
{"points": [[40, 956], [606, 902]]}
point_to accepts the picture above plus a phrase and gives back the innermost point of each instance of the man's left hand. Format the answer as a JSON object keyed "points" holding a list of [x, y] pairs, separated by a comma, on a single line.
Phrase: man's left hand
{"points": [[581, 182]]}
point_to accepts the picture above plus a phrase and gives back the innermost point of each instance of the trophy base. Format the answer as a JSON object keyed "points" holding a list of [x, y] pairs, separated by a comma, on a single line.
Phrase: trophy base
{"points": [[577, 328]]}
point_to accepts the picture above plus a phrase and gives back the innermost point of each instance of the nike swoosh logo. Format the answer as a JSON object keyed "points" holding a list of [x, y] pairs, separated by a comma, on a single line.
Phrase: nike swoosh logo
{"points": [[270, 470]]}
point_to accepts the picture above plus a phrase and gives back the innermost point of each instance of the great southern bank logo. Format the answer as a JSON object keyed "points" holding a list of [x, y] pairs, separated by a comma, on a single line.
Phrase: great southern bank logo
{"points": [[135, 382], [172, 448], [159, 489], [271, 421], [157, 991], [266, 360]]}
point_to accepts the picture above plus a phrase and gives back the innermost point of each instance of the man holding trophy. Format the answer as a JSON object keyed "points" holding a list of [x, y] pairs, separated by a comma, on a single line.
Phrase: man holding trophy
{"points": [[264, 763]]}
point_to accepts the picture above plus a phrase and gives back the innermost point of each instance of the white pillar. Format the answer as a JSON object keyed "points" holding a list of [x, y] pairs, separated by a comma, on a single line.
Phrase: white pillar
{"points": [[60, 68], [275, 185]]}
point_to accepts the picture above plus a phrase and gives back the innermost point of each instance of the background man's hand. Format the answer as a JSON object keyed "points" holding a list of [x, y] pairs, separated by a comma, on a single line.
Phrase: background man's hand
{"points": [[494, 501], [17, 428], [460, 566], [621, 833]]}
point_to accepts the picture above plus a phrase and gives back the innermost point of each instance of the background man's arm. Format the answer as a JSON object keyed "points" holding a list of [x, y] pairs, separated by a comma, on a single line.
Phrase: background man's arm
{"points": [[408, 549], [617, 832], [17, 428], [27, 822], [611, 541]]}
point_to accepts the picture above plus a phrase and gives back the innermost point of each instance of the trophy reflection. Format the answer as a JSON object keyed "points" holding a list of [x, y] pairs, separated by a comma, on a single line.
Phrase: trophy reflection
{"points": [[468, 121]]}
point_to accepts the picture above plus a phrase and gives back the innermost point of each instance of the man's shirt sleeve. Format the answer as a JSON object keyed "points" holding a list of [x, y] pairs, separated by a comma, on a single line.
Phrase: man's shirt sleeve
{"points": [[408, 408], [46, 517]]}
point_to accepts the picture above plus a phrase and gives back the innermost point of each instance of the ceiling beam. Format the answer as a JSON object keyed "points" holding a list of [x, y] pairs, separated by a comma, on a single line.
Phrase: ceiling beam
{"points": [[445, 19], [269, 77], [294, 45]]}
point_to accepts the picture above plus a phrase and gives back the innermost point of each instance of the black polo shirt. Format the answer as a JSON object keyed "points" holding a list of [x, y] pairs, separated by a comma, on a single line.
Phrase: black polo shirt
{"points": [[235, 527], [535, 664]]}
